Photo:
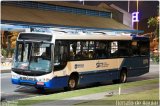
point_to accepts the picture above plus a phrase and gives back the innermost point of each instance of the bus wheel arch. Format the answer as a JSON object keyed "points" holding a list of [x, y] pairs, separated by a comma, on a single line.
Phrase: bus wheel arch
{"points": [[73, 81]]}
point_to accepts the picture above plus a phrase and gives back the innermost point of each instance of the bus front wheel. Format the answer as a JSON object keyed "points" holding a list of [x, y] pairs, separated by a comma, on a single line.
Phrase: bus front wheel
{"points": [[72, 83]]}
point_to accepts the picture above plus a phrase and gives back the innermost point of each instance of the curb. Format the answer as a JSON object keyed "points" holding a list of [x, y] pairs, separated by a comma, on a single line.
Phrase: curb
{"points": [[5, 71]]}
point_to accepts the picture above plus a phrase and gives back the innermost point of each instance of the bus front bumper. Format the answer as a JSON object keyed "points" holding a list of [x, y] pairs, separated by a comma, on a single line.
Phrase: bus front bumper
{"points": [[51, 84], [45, 85]]}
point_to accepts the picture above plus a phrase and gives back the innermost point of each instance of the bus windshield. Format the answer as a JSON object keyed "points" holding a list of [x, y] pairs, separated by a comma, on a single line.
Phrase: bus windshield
{"points": [[33, 56]]}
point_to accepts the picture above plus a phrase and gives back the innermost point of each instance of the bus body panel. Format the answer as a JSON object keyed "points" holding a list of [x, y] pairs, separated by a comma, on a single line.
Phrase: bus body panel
{"points": [[89, 66], [136, 65], [57, 82], [106, 69], [98, 76]]}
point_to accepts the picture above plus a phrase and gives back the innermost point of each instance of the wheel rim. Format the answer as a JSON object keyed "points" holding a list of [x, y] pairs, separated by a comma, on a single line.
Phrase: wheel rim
{"points": [[72, 83]]}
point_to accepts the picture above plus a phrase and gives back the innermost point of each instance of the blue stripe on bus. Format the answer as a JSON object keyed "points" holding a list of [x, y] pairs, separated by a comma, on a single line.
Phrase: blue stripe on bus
{"points": [[15, 81], [23, 82], [57, 82]]}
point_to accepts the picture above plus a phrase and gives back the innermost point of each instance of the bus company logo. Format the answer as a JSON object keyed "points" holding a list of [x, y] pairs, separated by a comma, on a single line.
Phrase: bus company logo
{"points": [[101, 64], [79, 66]]}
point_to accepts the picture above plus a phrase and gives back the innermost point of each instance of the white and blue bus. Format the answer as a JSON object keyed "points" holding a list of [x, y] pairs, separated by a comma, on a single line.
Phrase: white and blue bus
{"points": [[63, 60]]}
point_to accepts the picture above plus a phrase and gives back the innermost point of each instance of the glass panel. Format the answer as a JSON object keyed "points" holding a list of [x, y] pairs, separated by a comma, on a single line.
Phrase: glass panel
{"points": [[85, 50], [80, 50], [44, 6], [60, 55], [33, 56], [41, 57], [91, 50], [124, 49], [20, 52], [134, 46], [25, 53], [144, 48], [114, 49], [73, 47], [100, 50]]}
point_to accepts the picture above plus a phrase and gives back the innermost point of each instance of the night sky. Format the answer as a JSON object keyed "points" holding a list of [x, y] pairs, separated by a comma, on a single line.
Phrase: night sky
{"points": [[146, 8]]}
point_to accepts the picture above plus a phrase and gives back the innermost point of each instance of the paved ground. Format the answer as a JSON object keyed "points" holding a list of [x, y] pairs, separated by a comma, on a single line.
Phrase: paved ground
{"points": [[5, 67], [13, 92]]}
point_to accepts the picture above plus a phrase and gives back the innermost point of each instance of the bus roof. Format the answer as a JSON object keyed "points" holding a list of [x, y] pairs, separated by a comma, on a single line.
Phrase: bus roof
{"points": [[85, 36]]}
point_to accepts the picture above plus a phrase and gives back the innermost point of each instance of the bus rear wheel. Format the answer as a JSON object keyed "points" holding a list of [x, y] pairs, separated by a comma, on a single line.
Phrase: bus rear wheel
{"points": [[122, 77]]}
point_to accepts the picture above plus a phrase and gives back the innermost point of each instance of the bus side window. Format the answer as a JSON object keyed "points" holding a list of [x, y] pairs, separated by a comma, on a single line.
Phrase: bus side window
{"points": [[85, 49], [91, 53], [114, 49], [135, 50], [100, 50], [124, 49], [81, 50], [72, 50], [78, 50], [60, 55], [143, 48]]}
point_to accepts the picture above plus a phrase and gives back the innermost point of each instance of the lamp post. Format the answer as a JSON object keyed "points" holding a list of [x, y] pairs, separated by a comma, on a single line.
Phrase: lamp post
{"points": [[82, 1], [128, 5], [137, 11]]}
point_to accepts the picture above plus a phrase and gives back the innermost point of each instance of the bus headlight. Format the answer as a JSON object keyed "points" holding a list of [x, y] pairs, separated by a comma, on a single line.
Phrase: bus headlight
{"points": [[15, 76]]}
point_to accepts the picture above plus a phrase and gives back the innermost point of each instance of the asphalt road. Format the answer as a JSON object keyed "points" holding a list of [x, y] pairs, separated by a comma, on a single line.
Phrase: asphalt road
{"points": [[12, 92]]}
